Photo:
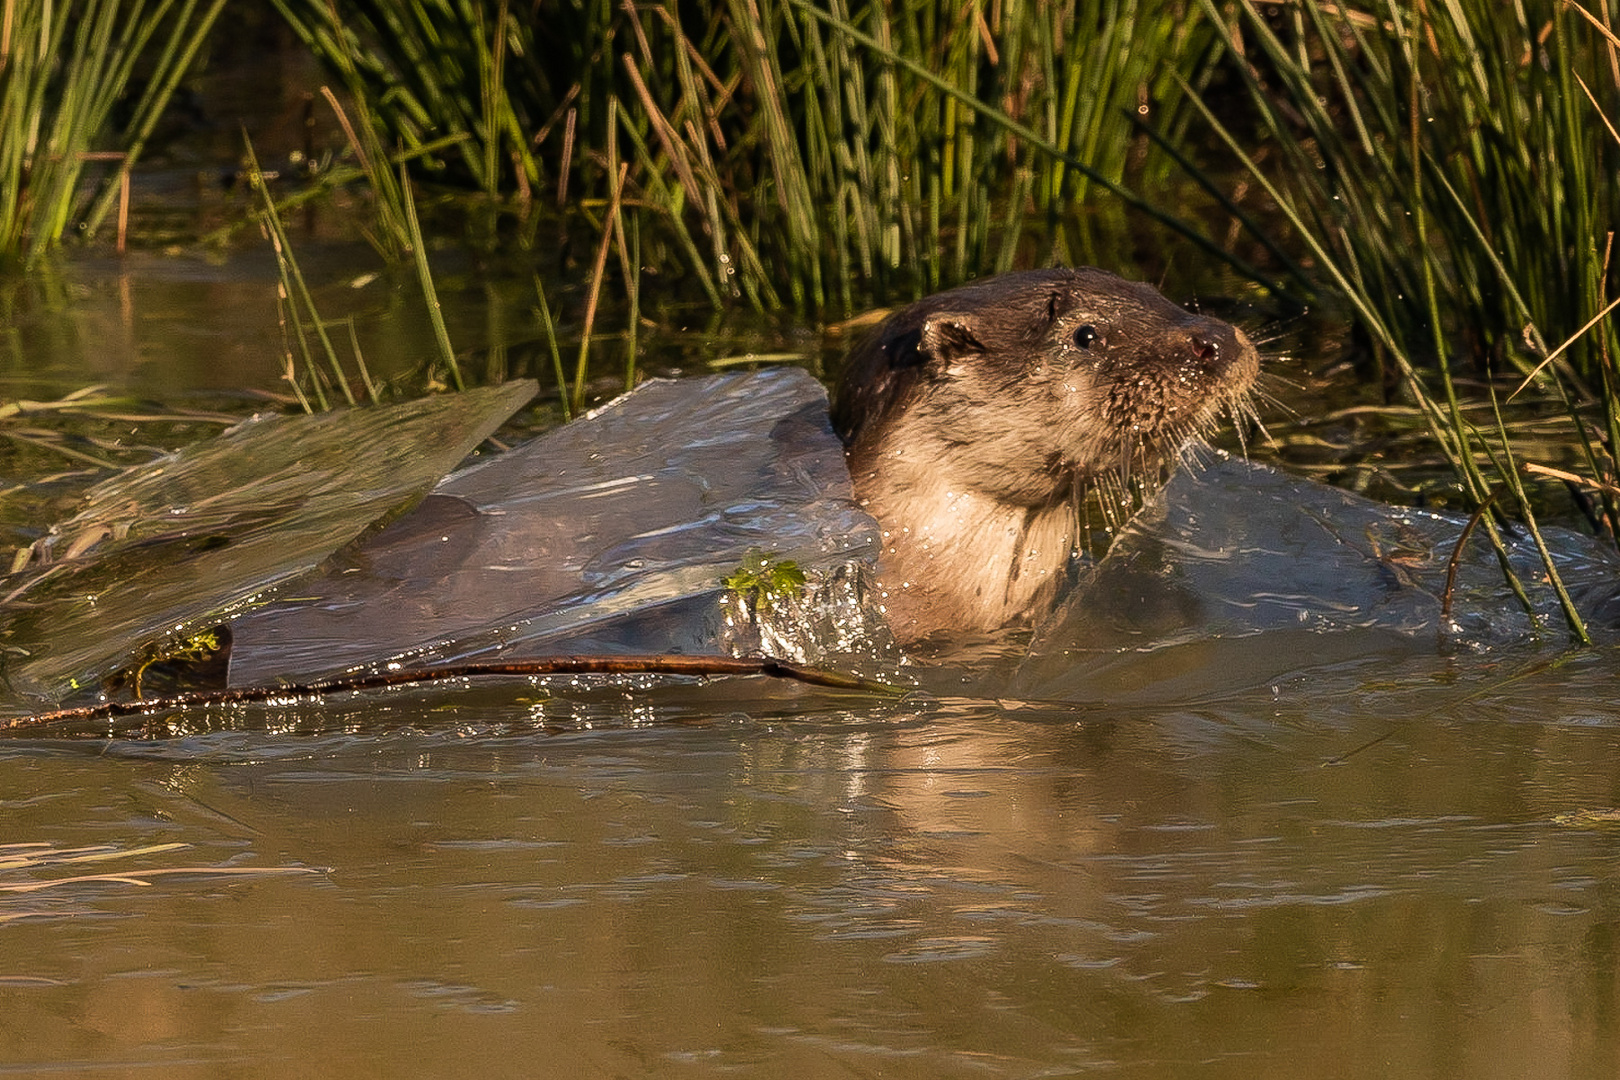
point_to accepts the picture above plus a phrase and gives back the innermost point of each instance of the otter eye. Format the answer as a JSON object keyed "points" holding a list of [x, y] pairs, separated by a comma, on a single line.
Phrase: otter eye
{"points": [[1085, 336]]}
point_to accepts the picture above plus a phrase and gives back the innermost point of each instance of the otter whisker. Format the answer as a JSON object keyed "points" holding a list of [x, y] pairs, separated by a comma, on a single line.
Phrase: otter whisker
{"points": [[1247, 415], [1272, 331], [1239, 428], [1196, 454], [1276, 378]]}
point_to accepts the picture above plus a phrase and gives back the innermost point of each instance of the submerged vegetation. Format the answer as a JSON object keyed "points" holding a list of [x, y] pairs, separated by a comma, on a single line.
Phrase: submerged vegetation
{"points": [[32, 868], [1445, 175]]}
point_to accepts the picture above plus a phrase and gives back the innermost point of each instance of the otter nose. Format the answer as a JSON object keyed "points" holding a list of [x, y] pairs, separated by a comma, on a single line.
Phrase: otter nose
{"points": [[1206, 348], [1213, 346]]}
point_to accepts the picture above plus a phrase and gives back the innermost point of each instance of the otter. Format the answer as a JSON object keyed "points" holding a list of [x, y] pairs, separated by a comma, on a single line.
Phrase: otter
{"points": [[976, 419]]}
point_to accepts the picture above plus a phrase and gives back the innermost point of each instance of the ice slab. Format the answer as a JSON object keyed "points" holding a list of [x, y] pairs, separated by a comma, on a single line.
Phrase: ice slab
{"points": [[609, 534], [185, 539], [1236, 573]]}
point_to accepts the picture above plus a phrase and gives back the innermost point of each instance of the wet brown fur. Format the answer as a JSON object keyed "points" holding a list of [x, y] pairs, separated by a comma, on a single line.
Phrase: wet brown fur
{"points": [[975, 417]]}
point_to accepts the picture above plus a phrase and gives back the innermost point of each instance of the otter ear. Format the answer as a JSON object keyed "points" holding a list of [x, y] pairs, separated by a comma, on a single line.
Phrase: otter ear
{"points": [[948, 337]]}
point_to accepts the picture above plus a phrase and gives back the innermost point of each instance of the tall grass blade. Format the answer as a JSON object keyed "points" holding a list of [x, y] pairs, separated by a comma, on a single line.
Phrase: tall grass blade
{"points": [[582, 364], [295, 294], [64, 70], [549, 325], [430, 294]]}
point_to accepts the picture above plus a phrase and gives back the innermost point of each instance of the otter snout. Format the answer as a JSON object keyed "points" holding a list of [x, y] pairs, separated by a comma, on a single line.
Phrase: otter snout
{"points": [[1220, 349], [1167, 386]]}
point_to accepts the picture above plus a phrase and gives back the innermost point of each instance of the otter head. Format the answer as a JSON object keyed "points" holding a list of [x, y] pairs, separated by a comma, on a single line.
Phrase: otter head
{"points": [[974, 416], [1029, 382]]}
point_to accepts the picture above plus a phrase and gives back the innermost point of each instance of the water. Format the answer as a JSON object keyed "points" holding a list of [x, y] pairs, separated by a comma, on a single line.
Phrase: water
{"points": [[811, 888], [1232, 842]]}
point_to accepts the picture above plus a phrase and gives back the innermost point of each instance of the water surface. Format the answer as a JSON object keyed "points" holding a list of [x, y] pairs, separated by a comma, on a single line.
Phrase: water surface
{"points": [[1326, 850], [732, 883]]}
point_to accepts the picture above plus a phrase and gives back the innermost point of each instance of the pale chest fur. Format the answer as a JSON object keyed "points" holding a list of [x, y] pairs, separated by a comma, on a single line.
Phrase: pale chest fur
{"points": [[955, 558]]}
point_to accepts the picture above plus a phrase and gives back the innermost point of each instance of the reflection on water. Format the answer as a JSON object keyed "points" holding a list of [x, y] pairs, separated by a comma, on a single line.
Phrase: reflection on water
{"points": [[662, 886]]}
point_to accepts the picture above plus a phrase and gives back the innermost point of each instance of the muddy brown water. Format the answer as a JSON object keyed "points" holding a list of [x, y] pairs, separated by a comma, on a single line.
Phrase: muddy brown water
{"points": [[1368, 865]]}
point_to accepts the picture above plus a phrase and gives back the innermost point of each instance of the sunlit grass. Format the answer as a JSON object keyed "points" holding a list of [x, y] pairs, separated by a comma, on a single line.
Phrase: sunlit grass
{"points": [[317, 364], [784, 153], [1452, 186], [65, 71], [1445, 174], [424, 71]]}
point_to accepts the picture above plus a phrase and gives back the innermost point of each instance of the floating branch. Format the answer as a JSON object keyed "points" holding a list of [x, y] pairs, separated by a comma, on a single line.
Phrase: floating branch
{"points": [[553, 665], [139, 877], [35, 856]]}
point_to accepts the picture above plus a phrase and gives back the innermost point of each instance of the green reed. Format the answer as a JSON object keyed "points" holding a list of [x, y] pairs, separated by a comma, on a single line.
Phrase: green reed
{"points": [[1453, 171], [1447, 170], [300, 321], [432, 70], [784, 152], [1471, 112], [424, 275], [64, 69]]}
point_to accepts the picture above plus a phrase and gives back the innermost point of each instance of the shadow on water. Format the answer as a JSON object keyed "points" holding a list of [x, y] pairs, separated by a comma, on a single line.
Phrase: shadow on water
{"points": [[1250, 807]]}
